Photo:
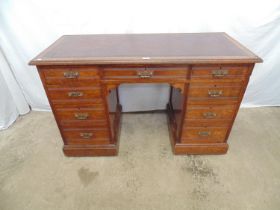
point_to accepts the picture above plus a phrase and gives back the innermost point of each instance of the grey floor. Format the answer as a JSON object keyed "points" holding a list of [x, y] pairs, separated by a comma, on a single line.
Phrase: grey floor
{"points": [[34, 173]]}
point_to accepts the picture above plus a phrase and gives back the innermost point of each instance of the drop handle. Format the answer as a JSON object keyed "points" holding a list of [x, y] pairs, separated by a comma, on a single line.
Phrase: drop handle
{"points": [[215, 93], [145, 74], [86, 135], [219, 73], [204, 133], [75, 94], [81, 116], [209, 115], [71, 74]]}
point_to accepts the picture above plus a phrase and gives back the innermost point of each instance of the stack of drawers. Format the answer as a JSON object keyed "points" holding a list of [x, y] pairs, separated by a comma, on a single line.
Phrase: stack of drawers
{"points": [[214, 96], [76, 99]]}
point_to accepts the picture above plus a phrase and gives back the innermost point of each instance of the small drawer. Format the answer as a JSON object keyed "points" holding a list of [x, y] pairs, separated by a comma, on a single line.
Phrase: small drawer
{"points": [[96, 103], [80, 114], [70, 76], [204, 134], [219, 93], [217, 90], [98, 123], [207, 122], [73, 93], [219, 72], [210, 112], [86, 136], [145, 73]]}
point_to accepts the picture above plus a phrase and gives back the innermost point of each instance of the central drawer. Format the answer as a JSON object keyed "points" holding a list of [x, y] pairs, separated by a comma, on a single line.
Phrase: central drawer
{"points": [[145, 73]]}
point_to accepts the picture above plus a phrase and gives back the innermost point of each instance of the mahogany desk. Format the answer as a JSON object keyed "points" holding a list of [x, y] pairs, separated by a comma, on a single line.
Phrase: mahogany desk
{"points": [[207, 72]]}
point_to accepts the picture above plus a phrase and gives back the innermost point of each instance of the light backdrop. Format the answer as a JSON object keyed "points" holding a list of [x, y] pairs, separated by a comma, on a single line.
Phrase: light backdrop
{"points": [[29, 26]]}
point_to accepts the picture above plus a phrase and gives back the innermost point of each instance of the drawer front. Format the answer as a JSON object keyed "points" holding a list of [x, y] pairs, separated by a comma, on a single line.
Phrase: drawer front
{"points": [[214, 90], [207, 122], [98, 123], [204, 134], [219, 72], [145, 73], [210, 112], [73, 93], [70, 76], [86, 136], [80, 114], [96, 103], [214, 93]]}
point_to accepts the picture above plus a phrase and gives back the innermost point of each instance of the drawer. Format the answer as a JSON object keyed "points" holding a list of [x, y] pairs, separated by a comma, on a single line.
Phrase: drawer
{"points": [[145, 73], [210, 112], [218, 90], [216, 93], [70, 76], [204, 134], [96, 103], [207, 122], [219, 72], [80, 114], [86, 136], [73, 93], [98, 123]]}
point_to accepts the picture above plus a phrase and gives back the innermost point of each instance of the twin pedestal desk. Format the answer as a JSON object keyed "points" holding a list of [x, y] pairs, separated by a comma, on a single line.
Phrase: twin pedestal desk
{"points": [[207, 72]]}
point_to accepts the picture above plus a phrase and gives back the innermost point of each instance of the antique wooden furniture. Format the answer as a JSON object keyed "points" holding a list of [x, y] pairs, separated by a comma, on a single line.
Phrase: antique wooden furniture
{"points": [[207, 73]]}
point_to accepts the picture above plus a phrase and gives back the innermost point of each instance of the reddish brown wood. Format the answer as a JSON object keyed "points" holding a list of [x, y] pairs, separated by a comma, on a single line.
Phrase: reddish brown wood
{"points": [[210, 112], [207, 83], [205, 134]]}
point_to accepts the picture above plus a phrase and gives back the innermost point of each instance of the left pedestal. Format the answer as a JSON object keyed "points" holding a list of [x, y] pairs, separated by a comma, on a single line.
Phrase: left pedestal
{"points": [[88, 125]]}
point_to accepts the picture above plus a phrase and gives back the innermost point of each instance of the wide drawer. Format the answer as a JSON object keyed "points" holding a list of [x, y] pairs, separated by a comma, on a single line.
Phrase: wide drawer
{"points": [[86, 136], [145, 73], [70, 76], [210, 112], [216, 72], [204, 134], [73, 93]]}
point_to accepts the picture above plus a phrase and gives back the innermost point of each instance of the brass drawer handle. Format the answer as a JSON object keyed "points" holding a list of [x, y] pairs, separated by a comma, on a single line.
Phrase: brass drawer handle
{"points": [[209, 115], [71, 74], [215, 93], [219, 73], [75, 94], [81, 116], [86, 135], [145, 74], [204, 133]]}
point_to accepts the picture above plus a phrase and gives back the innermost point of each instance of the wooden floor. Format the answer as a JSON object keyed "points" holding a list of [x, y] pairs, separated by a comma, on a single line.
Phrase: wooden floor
{"points": [[34, 173]]}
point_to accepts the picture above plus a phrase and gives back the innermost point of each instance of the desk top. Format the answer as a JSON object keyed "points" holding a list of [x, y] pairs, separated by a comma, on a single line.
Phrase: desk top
{"points": [[181, 48]]}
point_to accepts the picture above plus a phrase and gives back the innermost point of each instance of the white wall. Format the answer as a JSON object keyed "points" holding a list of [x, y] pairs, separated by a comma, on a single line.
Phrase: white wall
{"points": [[28, 26]]}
